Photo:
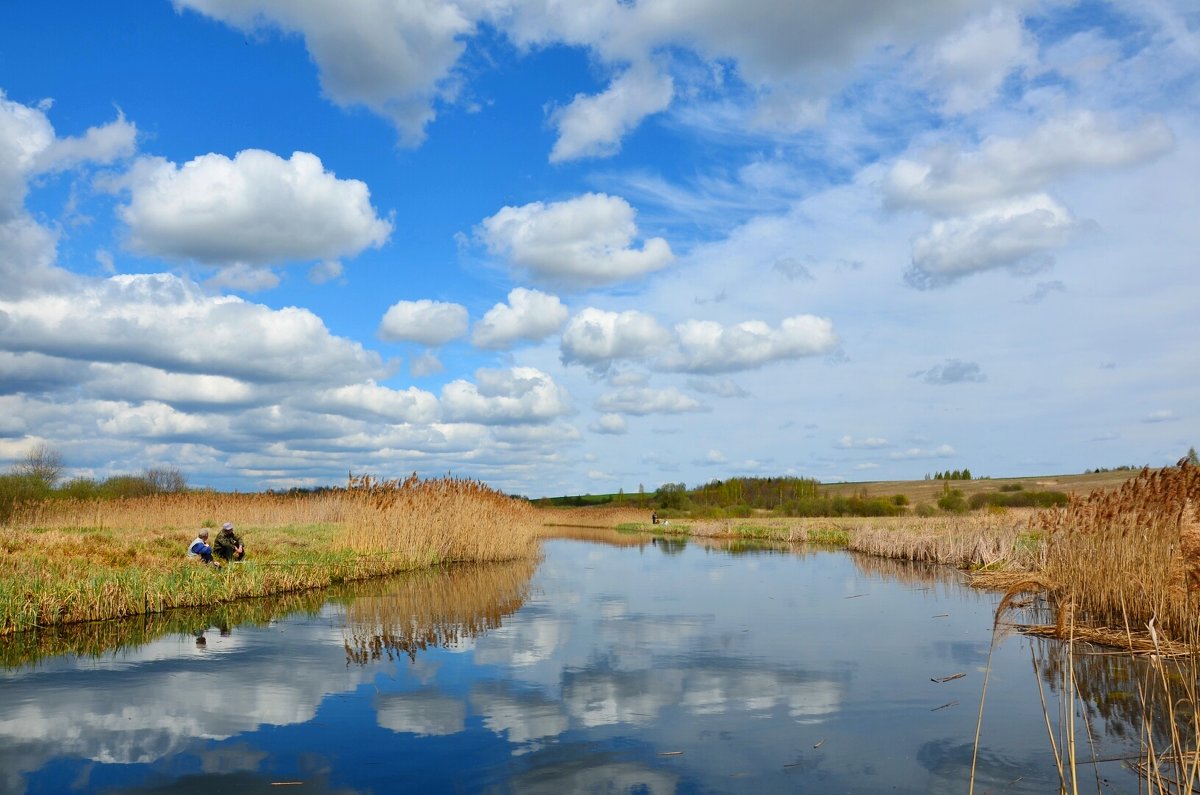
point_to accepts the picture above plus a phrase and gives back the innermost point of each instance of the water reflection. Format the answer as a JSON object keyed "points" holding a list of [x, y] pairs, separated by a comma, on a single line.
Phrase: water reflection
{"points": [[97, 639], [626, 663], [434, 609]]}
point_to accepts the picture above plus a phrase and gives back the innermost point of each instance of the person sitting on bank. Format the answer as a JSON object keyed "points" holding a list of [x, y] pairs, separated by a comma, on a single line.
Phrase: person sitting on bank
{"points": [[200, 548], [228, 546]]}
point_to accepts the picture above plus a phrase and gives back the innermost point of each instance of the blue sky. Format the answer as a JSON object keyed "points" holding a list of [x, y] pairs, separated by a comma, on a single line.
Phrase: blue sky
{"points": [[582, 247]]}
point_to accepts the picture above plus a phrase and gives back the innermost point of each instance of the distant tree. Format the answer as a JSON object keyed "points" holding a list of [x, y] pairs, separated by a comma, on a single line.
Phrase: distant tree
{"points": [[1192, 458], [42, 463], [671, 495], [966, 474], [165, 480]]}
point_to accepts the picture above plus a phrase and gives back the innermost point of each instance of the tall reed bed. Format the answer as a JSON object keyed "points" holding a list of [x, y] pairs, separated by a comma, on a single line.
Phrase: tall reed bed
{"points": [[64, 562], [441, 520], [1130, 558], [184, 510]]}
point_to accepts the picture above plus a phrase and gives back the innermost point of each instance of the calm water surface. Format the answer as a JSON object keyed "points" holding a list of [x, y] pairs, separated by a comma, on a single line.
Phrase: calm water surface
{"points": [[612, 666]]}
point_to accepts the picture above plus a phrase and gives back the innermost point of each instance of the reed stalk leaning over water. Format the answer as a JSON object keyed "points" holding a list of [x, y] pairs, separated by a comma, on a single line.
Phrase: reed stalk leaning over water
{"points": [[63, 562]]}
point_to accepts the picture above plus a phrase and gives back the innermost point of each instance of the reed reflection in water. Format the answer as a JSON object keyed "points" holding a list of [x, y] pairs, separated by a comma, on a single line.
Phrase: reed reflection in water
{"points": [[434, 609]]}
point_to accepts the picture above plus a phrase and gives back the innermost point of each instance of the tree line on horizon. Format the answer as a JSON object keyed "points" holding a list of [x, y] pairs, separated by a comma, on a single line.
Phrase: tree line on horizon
{"points": [[38, 475]]}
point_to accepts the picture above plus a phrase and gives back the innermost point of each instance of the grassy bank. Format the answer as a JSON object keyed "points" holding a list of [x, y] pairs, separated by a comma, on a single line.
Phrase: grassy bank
{"points": [[71, 561]]}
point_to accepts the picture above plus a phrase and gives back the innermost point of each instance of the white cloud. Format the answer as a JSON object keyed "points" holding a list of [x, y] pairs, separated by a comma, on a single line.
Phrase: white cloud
{"points": [[947, 180], [592, 126], [411, 405], [972, 62], [609, 424], [597, 338], [705, 346], [581, 242], [152, 420], [1016, 234], [941, 451], [166, 322], [639, 401], [1161, 415], [426, 364], [325, 271], [243, 278], [867, 443], [394, 58], [256, 209], [514, 395], [425, 322], [528, 315], [29, 147]]}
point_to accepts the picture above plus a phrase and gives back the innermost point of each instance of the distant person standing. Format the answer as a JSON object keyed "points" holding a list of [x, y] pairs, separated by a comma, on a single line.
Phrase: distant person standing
{"points": [[199, 548], [654, 517], [228, 546]]}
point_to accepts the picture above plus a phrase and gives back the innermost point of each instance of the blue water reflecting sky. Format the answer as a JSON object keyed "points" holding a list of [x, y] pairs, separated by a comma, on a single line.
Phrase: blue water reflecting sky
{"points": [[655, 668]]}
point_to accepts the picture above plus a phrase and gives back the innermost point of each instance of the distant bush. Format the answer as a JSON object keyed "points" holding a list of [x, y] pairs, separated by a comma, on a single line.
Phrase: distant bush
{"points": [[1019, 499], [952, 500], [842, 506], [17, 489], [1012, 487]]}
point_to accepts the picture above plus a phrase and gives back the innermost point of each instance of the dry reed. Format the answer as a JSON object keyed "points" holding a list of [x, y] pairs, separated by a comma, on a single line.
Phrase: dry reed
{"points": [[68, 561], [1128, 557]]}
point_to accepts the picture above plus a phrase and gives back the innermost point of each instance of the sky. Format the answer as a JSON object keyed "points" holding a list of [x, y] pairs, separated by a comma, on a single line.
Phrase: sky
{"points": [[577, 248]]}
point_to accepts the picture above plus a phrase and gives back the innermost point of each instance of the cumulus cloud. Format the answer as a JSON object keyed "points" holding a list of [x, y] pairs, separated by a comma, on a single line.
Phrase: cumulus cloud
{"points": [[256, 209], [514, 395], [582, 242], [166, 322], [947, 180], [1161, 415], [394, 58], [411, 405], [971, 63], [609, 424], [592, 126], [1017, 234], [597, 338], [29, 147], [705, 346], [529, 315], [425, 322], [639, 401], [952, 371]]}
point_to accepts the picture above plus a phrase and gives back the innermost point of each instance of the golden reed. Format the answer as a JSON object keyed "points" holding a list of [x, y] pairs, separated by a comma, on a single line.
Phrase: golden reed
{"points": [[1126, 558]]}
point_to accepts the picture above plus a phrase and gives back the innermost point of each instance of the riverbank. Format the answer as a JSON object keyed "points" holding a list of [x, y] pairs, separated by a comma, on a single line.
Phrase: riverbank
{"points": [[1119, 567], [67, 562]]}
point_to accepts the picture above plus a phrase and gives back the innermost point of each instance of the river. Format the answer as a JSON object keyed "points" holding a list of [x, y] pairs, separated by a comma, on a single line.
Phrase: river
{"points": [[620, 664]]}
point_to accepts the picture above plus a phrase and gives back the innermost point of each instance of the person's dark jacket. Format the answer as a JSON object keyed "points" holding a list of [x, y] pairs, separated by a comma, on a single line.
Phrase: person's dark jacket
{"points": [[226, 546]]}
